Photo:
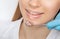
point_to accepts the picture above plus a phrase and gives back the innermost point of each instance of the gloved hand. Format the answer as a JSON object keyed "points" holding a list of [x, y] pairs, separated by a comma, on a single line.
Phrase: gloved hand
{"points": [[55, 24]]}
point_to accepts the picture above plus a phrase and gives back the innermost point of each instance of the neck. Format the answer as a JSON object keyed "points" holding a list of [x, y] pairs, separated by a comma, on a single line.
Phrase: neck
{"points": [[32, 32]]}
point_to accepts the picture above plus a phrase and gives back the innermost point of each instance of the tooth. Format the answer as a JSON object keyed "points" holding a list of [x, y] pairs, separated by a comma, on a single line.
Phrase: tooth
{"points": [[33, 13]]}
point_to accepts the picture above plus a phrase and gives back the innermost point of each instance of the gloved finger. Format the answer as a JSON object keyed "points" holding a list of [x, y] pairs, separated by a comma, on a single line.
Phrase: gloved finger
{"points": [[53, 23], [57, 28]]}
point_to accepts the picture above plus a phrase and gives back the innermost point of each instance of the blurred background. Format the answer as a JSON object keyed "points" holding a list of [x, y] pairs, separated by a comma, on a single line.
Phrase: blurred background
{"points": [[9, 10]]}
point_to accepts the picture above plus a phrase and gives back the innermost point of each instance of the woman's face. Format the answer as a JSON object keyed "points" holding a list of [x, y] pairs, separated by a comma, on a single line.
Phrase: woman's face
{"points": [[38, 12]]}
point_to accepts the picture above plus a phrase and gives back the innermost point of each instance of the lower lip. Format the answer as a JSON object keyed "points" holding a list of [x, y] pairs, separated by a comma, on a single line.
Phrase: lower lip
{"points": [[33, 16]]}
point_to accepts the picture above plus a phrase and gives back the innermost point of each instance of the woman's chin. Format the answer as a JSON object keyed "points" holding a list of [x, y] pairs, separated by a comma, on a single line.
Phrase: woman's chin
{"points": [[34, 24]]}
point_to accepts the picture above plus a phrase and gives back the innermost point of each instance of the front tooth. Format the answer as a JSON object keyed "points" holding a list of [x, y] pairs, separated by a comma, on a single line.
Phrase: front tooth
{"points": [[33, 13]]}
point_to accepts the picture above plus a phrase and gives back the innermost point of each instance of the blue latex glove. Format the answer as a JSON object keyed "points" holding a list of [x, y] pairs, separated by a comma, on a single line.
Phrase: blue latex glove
{"points": [[55, 24]]}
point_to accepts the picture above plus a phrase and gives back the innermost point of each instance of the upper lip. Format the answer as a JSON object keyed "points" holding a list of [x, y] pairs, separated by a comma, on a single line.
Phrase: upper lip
{"points": [[33, 12]]}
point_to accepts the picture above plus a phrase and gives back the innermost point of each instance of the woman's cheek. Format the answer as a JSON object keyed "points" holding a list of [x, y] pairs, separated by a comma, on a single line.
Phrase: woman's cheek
{"points": [[50, 4]]}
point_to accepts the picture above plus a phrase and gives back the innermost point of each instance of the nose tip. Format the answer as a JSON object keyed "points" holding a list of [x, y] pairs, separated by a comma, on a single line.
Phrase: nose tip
{"points": [[34, 3]]}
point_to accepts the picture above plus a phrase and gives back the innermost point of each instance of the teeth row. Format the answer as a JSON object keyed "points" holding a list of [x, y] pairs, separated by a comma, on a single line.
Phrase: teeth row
{"points": [[34, 13]]}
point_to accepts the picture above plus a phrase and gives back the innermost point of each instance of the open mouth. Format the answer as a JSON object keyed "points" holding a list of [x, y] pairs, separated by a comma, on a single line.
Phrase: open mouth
{"points": [[33, 14]]}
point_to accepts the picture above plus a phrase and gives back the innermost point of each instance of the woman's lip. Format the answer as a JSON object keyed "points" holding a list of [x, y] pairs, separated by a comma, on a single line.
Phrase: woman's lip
{"points": [[33, 14]]}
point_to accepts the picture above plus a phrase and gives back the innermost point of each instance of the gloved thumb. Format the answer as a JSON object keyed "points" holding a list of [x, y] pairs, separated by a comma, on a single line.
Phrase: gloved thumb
{"points": [[53, 24]]}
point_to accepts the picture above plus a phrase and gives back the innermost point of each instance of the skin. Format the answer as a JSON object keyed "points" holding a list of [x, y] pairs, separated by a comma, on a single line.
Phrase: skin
{"points": [[48, 7]]}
